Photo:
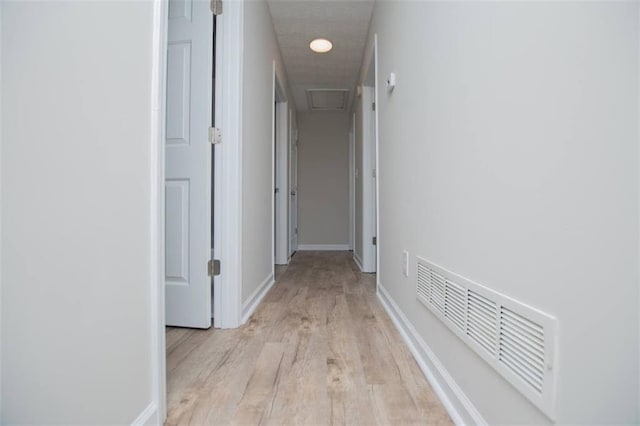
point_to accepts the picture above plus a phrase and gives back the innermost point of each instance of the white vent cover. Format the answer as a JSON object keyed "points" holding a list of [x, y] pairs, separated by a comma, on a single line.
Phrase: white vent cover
{"points": [[327, 99], [517, 340]]}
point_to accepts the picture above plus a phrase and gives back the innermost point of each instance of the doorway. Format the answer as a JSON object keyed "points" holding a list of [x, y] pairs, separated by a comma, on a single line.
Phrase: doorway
{"points": [[219, 184], [365, 169], [189, 183], [281, 178], [293, 185], [190, 231]]}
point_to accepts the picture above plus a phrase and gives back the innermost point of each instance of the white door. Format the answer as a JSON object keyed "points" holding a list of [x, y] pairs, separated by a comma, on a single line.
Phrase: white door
{"points": [[188, 164], [374, 191], [367, 173], [293, 180], [352, 184], [282, 184]]}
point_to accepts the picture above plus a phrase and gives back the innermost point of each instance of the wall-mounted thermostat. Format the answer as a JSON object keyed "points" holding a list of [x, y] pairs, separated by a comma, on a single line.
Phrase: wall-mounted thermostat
{"points": [[391, 82]]}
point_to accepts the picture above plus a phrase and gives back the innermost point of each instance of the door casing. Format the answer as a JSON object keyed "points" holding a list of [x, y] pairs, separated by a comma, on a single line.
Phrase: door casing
{"points": [[293, 185], [368, 168], [280, 200]]}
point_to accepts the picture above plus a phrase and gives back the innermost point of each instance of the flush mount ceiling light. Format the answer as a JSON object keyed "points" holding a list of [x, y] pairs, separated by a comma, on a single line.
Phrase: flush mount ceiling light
{"points": [[321, 45]]}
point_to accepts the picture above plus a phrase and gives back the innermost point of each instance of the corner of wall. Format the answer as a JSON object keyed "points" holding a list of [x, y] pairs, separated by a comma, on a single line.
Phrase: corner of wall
{"points": [[148, 417], [249, 306]]}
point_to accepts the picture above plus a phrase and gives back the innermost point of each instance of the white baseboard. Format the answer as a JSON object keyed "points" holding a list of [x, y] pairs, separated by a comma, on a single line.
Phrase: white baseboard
{"points": [[149, 416], [358, 261], [323, 247], [457, 404], [254, 300]]}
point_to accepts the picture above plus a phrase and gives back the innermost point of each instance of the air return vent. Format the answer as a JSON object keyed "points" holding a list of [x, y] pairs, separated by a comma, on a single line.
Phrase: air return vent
{"points": [[515, 339]]}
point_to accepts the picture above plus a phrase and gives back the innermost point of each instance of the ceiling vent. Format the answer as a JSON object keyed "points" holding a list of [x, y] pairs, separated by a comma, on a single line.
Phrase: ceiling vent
{"points": [[327, 99], [517, 340]]}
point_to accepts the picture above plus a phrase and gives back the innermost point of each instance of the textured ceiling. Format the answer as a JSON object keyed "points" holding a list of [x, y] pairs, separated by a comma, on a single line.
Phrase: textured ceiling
{"points": [[344, 22]]}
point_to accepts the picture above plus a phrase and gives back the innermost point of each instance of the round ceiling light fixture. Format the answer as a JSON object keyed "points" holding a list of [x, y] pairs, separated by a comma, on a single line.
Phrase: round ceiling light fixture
{"points": [[321, 45]]}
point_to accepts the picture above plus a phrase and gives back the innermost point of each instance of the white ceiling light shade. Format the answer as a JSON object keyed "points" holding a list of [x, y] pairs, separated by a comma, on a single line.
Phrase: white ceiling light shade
{"points": [[321, 45]]}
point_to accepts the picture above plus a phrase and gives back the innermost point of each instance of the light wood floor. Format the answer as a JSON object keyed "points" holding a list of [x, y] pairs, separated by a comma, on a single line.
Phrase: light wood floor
{"points": [[320, 349]]}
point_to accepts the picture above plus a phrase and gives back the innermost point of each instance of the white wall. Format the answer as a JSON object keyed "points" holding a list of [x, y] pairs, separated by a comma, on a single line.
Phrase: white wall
{"points": [[509, 154], [260, 50], [323, 173], [76, 110]]}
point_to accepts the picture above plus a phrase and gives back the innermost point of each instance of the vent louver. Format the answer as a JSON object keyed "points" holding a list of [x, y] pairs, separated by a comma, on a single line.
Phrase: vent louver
{"points": [[481, 321], [437, 291], [424, 283], [454, 304], [522, 347], [514, 338]]}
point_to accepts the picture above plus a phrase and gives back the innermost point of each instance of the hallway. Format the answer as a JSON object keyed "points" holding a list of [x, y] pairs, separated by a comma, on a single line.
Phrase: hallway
{"points": [[319, 350]]}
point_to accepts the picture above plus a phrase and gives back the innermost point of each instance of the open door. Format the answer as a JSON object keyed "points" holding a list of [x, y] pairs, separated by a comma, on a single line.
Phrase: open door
{"points": [[281, 175], [366, 183], [366, 180], [188, 186], [293, 189]]}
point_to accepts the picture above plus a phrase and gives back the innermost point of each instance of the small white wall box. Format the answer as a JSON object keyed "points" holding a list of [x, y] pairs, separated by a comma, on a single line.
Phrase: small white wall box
{"points": [[391, 82]]}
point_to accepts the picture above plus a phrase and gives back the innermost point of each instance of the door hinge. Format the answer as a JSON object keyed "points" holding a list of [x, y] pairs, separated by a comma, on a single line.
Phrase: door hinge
{"points": [[373, 106], [216, 7], [215, 135], [375, 241], [213, 268], [373, 173]]}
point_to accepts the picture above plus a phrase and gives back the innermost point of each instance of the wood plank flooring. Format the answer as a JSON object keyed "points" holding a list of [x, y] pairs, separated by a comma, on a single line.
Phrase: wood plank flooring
{"points": [[320, 349]]}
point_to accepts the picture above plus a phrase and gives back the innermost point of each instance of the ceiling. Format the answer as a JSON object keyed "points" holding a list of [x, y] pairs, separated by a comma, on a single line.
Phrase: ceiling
{"points": [[344, 22]]}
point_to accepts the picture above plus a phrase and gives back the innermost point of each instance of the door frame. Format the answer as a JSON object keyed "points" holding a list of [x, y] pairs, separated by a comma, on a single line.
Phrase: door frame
{"points": [[377, 156], [293, 185], [352, 183], [370, 173], [280, 175], [227, 185], [368, 180]]}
